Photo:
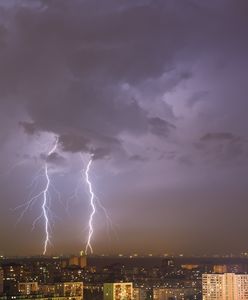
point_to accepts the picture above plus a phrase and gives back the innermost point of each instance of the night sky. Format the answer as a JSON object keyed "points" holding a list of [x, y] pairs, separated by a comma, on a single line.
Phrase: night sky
{"points": [[157, 91]]}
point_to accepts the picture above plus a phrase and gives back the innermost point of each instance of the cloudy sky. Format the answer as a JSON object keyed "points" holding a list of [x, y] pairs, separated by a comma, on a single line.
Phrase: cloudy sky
{"points": [[157, 91]]}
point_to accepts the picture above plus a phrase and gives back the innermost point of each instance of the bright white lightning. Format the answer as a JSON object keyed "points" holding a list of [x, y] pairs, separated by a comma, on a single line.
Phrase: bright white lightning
{"points": [[44, 194], [92, 204], [45, 207], [45, 200]]}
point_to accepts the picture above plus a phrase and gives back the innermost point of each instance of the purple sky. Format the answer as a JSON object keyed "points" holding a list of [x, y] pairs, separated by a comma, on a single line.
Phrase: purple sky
{"points": [[157, 90]]}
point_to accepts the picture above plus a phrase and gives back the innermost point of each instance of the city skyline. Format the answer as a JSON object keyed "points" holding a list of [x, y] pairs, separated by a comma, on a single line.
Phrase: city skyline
{"points": [[139, 106]]}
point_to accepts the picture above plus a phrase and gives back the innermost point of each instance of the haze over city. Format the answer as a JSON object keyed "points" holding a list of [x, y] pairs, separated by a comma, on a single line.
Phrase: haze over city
{"points": [[155, 93]]}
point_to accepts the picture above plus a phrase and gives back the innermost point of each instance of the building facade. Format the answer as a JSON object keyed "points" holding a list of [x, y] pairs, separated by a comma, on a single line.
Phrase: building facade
{"points": [[225, 286], [70, 289], [1, 281], [118, 291], [27, 288], [173, 293]]}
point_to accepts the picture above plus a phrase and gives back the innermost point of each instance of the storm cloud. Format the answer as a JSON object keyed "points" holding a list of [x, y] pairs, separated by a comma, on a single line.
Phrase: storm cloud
{"points": [[155, 89]]}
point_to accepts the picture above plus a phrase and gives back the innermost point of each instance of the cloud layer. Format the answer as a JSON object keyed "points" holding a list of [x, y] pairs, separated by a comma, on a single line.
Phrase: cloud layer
{"points": [[156, 90]]}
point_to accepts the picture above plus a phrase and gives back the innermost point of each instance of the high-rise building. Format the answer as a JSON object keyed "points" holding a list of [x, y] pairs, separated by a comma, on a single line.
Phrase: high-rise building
{"points": [[118, 291], [225, 286], [82, 260]]}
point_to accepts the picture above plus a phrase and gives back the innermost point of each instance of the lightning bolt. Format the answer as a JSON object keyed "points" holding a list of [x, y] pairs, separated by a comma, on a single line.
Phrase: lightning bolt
{"points": [[44, 195], [45, 207], [92, 204]]}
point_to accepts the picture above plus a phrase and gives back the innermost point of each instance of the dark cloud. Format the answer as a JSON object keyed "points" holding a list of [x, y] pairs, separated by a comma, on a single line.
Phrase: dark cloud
{"points": [[137, 158], [55, 158], [69, 75], [100, 153], [169, 155], [225, 146], [219, 136], [29, 127], [185, 160], [160, 127], [196, 97], [128, 81], [74, 143]]}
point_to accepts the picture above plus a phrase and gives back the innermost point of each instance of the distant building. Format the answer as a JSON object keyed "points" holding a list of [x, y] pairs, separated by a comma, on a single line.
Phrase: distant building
{"points": [[70, 289], [73, 261], [37, 297], [27, 288], [64, 263], [118, 291], [220, 269], [173, 293], [168, 266], [139, 294], [80, 261], [1, 281], [225, 286], [47, 289], [189, 267], [13, 273]]}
